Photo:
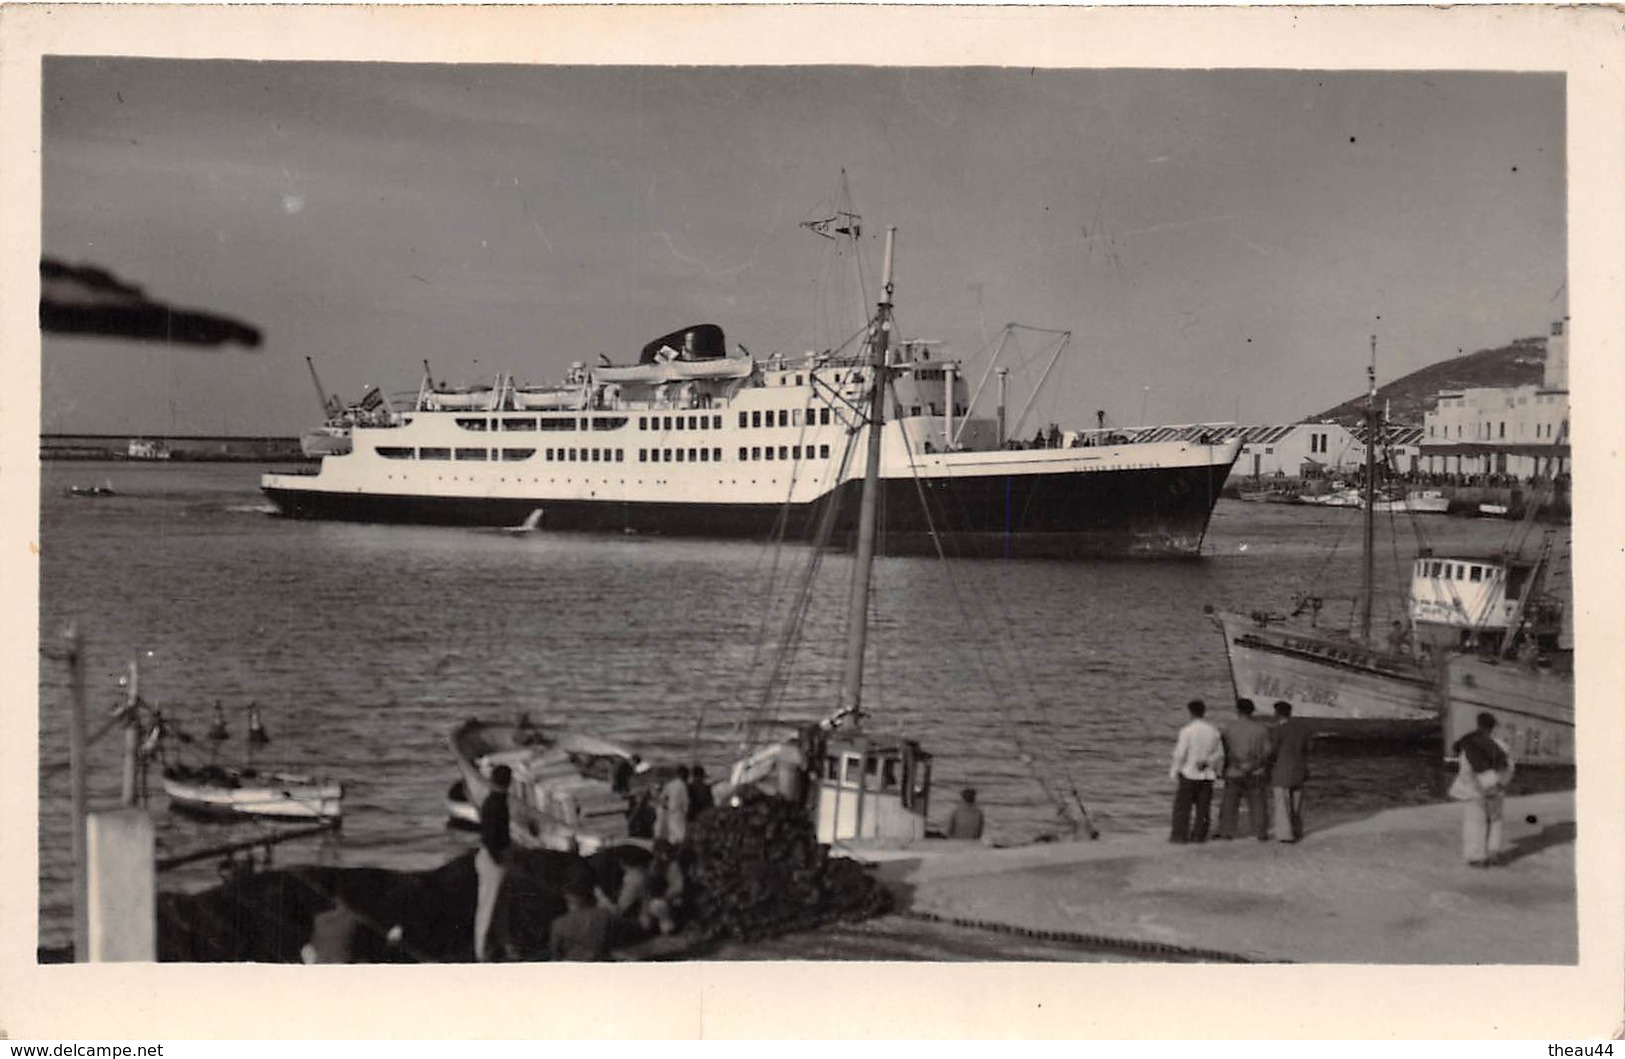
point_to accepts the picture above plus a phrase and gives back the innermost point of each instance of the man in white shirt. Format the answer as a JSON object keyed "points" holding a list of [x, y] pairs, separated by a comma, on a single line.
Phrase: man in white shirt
{"points": [[1198, 760]]}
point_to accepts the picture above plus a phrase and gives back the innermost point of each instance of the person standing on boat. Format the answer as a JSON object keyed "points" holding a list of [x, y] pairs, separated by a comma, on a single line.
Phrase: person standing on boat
{"points": [[491, 862], [1198, 758], [672, 824], [1486, 769], [1290, 772], [1246, 767]]}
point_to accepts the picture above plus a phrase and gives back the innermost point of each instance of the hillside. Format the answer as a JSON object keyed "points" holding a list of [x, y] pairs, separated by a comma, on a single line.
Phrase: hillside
{"points": [[1521, 363]]}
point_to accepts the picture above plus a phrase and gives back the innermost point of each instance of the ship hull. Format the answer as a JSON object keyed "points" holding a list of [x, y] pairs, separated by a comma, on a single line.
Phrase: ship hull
{"points": [[1153, 513], [1342, 688], [1533, 708]]}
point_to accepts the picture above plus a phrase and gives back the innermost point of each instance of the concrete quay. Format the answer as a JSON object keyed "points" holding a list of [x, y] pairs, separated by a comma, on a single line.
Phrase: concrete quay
{"points": [[1390, 888]]}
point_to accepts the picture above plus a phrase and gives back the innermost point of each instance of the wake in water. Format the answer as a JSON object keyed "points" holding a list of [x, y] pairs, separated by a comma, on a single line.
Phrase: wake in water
{"points": [[251, 509]]}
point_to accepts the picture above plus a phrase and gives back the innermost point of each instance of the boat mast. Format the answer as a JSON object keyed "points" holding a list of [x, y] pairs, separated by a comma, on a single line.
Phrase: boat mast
{"points": [[1372, 426], [863, 564]]}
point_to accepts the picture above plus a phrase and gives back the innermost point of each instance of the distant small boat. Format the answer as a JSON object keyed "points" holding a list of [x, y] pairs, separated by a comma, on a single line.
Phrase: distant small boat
{"points": [[1337, 498], [91, 490], [224, 793], [1493, 510], [1275, 495], [1427, 502]]}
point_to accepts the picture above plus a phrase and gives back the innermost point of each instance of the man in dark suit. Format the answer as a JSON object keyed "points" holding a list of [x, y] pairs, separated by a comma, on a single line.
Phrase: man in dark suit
{"points": [[1290, 772], [1247, 746]]}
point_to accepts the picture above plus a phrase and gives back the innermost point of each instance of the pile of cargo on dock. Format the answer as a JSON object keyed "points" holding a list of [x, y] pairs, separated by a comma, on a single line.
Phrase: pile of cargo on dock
{"points": [[761, 871]]}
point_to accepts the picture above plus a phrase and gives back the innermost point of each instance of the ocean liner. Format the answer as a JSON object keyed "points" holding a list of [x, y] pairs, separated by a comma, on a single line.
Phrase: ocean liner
{"points": [[693, 441]]}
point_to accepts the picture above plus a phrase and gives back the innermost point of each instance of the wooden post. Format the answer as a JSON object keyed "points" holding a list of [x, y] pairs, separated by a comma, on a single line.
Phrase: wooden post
{"points": [[76, 769], [132, 733]]}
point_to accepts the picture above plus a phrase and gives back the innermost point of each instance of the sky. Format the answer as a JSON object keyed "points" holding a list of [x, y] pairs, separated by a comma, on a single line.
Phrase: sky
{"points": [[1221, 243]]}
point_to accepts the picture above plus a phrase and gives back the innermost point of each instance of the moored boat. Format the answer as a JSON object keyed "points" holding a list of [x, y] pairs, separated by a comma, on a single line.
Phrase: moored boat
{"points": [[569, 790], [1342, 682], [223, 793], [1427, 502], [1532, 701], [1340, 685], [1517, 656]]}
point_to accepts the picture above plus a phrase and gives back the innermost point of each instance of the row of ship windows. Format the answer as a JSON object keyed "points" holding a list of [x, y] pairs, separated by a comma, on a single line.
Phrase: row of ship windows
{"points": [[786, 417], [591, 455], [783, 417], [1444, 572]]}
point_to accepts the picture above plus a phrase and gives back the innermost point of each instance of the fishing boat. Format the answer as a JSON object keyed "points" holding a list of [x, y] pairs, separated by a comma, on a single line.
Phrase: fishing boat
{"points": [[1531, 698], [92, 490], [569, 790], [866, 790], [220, 792], [1343, 682], [1516, 656], [692, 440]]}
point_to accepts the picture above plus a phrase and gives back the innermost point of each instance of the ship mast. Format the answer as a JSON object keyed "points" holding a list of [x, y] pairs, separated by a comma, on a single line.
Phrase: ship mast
{"points": [[857, 624], [321, 392], [1372, 429]]}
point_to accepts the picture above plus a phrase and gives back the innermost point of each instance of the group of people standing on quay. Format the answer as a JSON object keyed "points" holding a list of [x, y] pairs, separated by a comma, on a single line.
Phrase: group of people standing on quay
{"points": [[1254, 759], [649, 895]]}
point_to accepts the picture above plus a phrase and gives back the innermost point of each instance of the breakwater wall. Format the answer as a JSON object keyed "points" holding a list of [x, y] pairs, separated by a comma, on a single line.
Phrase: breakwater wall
{"points": [[223, 449], [1464, 499]]}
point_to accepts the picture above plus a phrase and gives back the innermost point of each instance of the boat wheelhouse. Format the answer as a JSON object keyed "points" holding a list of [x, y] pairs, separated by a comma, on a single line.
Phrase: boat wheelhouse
{"points": [[1454, 598]]}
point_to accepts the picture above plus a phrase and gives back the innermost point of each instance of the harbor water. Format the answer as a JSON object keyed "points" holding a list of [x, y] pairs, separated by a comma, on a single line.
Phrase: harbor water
{"points": [[363, 645]]}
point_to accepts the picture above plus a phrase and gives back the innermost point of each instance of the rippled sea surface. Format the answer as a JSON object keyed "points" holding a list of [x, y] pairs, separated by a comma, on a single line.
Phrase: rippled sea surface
{"points": [[364, 645]]}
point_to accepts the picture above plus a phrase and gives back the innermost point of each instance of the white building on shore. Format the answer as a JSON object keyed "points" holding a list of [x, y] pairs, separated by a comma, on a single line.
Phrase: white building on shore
{"points": [[1507, 431]]}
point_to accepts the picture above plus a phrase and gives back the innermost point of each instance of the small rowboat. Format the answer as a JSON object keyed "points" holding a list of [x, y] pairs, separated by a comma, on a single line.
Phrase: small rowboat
{"points": [[223, 793]]}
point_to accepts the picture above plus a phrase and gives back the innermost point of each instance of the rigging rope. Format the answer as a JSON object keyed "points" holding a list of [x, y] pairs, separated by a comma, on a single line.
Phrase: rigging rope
{"points": [[1011, 672]]}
